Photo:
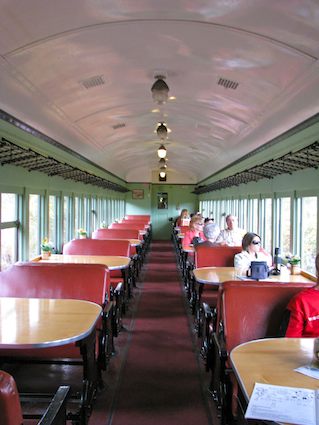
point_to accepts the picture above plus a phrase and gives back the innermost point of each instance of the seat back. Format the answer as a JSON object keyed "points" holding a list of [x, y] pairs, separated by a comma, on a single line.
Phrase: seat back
{"points": [[10, 408], [253, 310], [97, 247], [219, 256], [183, 229], [116, 234], [126, 226], [138, 217], [90, 282], [143, 224]]}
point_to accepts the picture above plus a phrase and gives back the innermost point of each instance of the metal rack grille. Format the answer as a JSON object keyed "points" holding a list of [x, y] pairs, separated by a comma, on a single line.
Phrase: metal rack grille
{"points": [[13, 154], [307, 157]]}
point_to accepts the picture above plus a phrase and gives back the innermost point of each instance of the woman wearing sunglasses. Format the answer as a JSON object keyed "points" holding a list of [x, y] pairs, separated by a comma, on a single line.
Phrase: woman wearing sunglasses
{"points": [[252, 251]]}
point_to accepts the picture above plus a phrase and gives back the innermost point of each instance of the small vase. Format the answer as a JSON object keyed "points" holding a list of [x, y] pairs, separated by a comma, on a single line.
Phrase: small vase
{"points": [[295, 269], [45, 255], [82, 236]]}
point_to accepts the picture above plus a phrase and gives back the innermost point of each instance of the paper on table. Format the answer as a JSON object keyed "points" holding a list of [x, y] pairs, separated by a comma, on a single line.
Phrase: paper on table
{"points": [[308, 370], [284, 404]]}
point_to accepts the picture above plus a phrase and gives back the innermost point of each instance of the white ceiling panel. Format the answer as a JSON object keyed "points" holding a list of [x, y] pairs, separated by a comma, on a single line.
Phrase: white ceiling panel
{"points": [[81, 72]]}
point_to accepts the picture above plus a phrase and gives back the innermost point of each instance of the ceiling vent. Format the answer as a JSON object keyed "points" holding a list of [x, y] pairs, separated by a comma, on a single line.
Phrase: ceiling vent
{"points": [[92, 82], [119, 125], [228, 84]]}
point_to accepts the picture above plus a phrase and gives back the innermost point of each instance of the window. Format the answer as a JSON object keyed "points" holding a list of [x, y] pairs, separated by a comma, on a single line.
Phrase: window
{"points": [[53, 219], [284, 225], [77, 210], [34, 225], [266, 224], [9, 229], [308, 233]]}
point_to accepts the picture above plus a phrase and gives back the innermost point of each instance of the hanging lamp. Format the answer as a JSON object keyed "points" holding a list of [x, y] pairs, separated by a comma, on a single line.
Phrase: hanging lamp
{"points": [[160, 90]]}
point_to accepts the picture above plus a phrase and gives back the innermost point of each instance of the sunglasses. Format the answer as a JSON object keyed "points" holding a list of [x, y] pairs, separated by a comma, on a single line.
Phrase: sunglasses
{"points": [[256, 242]]}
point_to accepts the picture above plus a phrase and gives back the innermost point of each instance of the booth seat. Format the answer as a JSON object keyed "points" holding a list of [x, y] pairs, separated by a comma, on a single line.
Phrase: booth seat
{"points": [[90, 282], [100, 247], [116, 234], [106, 247], [218, 256], [136, 252], [209, 256], [138, 217], [246, 311], [10, 407], [147, 234]]}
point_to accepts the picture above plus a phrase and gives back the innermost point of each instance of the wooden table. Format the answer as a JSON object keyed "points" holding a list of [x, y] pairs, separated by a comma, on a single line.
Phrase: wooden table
{"points": [[217, 275], [113, 262], [272, 361], [38, 323], [30, 323]]}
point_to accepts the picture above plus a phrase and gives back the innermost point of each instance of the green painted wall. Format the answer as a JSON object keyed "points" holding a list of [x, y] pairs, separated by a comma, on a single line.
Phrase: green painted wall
{"points": [[301, 181], [179, 197], [18, 178]]}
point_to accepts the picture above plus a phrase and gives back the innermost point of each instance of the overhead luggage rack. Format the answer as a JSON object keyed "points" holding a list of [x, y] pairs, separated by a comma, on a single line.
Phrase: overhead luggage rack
{"points": [[13, 154], [307, 157]]}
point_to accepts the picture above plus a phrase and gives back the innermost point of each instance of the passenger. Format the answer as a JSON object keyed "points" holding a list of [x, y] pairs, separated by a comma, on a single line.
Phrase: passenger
{"points": [[232, 235], [195, 231], [211, 232], [251, 245], [304, 312], [183, 216], [208, 220]]}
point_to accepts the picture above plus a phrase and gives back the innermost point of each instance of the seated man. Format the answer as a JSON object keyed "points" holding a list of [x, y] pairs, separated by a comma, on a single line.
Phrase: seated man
{"points": [[304, 312], [232, 235]]}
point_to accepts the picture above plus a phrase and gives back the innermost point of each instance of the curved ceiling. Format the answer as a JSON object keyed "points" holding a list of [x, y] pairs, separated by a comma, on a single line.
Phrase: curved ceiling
{"points": [[81, 72]]}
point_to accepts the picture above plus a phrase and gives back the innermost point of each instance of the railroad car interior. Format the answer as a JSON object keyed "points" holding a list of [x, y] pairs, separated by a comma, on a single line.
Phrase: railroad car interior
{"points": [[119, 115]]}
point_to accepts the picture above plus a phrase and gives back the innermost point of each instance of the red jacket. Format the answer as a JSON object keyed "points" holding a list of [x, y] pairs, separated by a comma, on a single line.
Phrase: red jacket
{"points": [[189, 235], [304, 314]]}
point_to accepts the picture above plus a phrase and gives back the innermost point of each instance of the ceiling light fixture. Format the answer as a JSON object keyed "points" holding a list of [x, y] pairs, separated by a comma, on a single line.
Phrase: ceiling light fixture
{"points": [[161, 151], [162, 163], [161, 131], [160, 90], [162, 174]]}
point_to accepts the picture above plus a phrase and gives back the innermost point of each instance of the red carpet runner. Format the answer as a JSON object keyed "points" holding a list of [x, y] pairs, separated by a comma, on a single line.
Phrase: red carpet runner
{"points": [[160, 380]]}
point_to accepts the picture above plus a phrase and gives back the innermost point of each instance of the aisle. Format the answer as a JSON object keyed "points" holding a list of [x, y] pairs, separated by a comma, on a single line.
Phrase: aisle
{"points": [[160, 380]]}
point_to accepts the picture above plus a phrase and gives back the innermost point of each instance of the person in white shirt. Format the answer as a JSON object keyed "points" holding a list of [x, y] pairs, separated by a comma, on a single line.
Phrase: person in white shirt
{"points": [[252, 251], [232, 235]]}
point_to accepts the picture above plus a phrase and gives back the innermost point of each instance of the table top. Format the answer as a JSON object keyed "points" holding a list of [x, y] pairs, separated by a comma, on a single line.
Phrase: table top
{"points": [[37, 323], [113, 262], [217, 275], [272, 361]]}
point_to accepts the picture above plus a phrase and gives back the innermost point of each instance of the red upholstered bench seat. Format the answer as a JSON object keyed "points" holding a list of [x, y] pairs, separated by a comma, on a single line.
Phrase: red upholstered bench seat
{"points": [[90, 282]]}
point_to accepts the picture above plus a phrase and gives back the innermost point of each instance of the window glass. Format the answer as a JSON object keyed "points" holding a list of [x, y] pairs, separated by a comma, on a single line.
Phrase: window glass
{"points": [[284, 225], [267, 224], [253, 215], [76, 215], [243, 217], [34, 225], [9, 235], [309, 233], [8, 247], [8, 207], [66, 218], [52, 218]]}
